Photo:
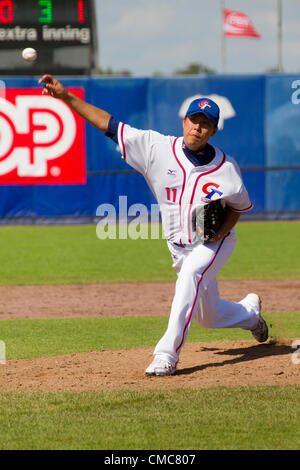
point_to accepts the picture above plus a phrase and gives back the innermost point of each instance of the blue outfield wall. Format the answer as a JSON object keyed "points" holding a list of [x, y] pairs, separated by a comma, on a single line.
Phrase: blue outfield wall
{"points": [[260, 130]]}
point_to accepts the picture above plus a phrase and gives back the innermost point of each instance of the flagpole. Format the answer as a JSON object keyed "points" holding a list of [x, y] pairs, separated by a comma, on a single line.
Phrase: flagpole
{"points": [[279, 39], [223, 39]]}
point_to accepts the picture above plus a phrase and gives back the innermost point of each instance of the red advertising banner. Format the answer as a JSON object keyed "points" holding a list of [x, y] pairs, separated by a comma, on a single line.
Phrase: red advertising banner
{"points": [[41, 139], [238, 24]]}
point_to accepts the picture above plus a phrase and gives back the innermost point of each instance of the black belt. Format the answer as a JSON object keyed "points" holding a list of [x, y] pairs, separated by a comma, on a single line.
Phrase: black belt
{"points": [[181, 245]]}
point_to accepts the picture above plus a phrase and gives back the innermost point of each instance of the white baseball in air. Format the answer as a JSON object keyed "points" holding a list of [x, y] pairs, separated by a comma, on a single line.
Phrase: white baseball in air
{"points": [[29, 54]]}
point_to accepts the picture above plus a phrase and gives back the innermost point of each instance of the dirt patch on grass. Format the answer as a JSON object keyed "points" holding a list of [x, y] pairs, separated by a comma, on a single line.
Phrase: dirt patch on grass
{"points": [[105, 300], [230, 363]]}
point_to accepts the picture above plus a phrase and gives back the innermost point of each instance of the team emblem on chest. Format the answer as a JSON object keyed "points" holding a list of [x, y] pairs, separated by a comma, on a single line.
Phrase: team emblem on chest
{"points": [[210, 189]]}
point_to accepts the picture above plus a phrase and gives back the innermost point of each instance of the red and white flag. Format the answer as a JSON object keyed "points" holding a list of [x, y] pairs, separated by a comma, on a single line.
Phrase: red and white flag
{"points": [[238, 24]]}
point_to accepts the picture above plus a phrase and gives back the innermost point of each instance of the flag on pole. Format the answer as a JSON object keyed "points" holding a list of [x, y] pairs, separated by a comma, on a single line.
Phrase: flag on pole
{"points": [[238, 24]]}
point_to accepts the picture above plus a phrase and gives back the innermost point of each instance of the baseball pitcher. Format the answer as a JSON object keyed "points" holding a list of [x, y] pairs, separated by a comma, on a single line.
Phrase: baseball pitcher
{"points": [[201, 196]]}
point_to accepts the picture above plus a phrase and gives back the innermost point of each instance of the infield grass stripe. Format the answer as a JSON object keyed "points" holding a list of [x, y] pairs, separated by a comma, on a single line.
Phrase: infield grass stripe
{"points": [[73, 254], [53, 337], [210, 419]]}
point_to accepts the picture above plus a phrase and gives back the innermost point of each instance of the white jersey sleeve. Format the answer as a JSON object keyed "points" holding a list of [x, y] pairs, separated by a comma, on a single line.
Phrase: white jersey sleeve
{"points": [[135, 145], [238, 201], [241, 201]]}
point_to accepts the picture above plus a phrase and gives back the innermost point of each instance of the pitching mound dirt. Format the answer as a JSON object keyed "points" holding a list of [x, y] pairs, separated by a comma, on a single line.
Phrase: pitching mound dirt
{"points": [[228, 363]]}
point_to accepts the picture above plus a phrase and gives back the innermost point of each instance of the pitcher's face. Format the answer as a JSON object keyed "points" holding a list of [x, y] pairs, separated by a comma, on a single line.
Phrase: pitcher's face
{"points": [[197, 130]]}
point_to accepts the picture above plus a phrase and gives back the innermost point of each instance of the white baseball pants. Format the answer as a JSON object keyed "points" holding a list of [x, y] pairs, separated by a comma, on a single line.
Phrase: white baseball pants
{"points": [[197, 297]]}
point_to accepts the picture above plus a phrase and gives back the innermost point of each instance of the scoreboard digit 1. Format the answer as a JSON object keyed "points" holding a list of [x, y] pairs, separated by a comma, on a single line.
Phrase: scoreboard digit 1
{"points": [[80, 11]]}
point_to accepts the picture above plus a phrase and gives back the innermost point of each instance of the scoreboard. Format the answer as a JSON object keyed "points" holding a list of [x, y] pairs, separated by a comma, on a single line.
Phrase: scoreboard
{"points": [[62, 31]]}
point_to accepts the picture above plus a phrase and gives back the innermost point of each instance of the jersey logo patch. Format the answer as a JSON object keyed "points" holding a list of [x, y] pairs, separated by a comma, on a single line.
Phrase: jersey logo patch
{"points": [[171, 172], [210, 191]]}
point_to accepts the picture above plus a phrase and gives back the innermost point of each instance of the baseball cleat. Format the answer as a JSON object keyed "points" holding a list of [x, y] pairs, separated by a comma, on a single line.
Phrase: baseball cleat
{"points": [[260, 333], [160, 367]]}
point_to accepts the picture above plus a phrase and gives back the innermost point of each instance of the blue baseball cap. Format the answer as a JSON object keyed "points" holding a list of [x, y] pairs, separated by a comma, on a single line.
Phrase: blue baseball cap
{"points": [[205, 106]]}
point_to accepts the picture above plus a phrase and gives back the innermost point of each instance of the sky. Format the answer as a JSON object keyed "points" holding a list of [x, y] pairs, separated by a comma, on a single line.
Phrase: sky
{"points": [[149, 36]]}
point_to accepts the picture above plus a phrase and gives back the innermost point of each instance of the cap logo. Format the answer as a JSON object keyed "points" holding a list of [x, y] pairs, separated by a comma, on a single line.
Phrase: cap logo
{"points": [[204, 104]]}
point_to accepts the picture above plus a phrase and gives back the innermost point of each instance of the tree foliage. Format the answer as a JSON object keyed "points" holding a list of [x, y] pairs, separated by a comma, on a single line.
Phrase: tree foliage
{"points": [[112, 73], [194, 68]]}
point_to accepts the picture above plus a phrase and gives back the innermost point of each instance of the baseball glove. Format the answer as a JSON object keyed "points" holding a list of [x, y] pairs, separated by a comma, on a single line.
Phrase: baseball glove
{"points": [[207, 220]]}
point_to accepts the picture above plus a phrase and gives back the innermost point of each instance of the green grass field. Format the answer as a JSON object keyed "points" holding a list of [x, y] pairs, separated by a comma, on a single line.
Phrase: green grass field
{"points": [[73, 254], [215, 418], [52, 337]]}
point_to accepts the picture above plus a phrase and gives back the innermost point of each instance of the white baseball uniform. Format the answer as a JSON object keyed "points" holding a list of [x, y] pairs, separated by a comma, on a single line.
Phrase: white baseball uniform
{"points": [[179, 187]]}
